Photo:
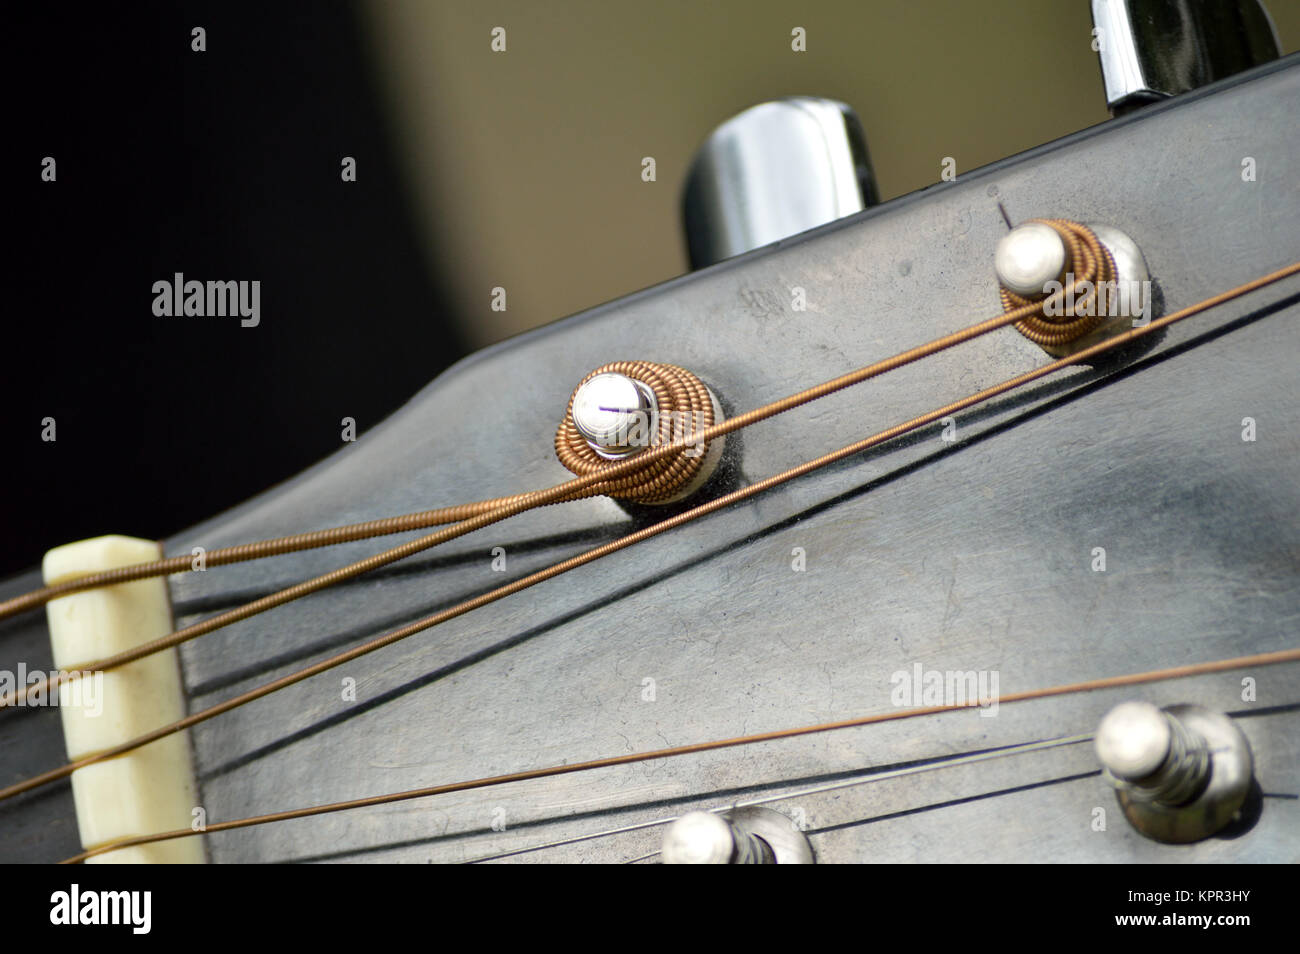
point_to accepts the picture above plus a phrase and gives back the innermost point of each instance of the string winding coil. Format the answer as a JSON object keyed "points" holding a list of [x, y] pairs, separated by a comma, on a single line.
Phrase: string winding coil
{"points": [[683, 406], [1091, 267]]}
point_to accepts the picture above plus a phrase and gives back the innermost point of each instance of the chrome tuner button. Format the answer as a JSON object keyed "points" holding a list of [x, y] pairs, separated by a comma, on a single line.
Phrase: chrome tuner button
{"points": [[1181, 773], [703, 838], [745, 836], [772, 171], [615, 414], [1028, 257], [1153, 49]]}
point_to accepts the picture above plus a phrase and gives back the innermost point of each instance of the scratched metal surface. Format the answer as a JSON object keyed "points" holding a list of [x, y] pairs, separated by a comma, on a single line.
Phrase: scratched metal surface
{"points": [[973, 555]]}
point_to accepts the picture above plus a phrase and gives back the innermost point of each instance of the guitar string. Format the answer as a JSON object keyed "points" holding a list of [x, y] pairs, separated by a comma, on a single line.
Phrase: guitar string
{"points": [[519, 503], [575, 489], [239, 553], [630, 539], [1092, 685], [938, 763]]}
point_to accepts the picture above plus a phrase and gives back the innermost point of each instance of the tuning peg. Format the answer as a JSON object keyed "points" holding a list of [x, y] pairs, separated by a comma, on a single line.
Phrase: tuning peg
{"points": [[745, 836], [1181, 773], [1033, 255], [611, 411], [1153, 49], [773, 171]]}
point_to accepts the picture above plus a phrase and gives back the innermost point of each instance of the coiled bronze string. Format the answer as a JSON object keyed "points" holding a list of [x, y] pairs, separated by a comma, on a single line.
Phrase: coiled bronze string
{"points": [[1087, 260], [680, 396]]}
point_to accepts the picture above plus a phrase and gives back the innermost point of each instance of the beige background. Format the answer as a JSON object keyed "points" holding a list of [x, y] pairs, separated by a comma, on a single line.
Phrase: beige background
{"points": [[525, 166]]}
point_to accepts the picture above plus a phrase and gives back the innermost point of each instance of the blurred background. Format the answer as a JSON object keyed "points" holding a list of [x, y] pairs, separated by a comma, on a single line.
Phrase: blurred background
{"points": [[475, 169]]}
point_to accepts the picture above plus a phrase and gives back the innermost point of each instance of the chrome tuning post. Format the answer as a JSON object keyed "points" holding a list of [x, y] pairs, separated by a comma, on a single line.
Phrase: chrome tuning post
{"points": [[1181, 773], [610, 410], [744, 836], [1031, 261]]}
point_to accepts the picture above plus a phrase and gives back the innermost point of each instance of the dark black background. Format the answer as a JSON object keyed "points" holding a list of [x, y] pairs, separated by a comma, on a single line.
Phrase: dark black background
{"points": [[224, 165], [915, 905]]}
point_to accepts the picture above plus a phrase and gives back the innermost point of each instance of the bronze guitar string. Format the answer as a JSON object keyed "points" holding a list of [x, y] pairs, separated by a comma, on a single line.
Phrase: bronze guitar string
{"points": [[1092, 685], [943, 762], [250, 551], [673, 386], [645, 533], [674, 390], [612, 475], [304, 541]]}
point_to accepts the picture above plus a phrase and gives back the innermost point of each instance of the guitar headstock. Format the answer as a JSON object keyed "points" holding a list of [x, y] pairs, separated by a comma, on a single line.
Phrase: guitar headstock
{"points": [[1118, 515]]}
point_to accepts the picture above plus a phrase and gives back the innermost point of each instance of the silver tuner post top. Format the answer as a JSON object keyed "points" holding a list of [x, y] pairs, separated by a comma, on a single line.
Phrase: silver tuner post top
{"points": [[1181, 773], [772, 171], [615, 414], [1154, 49], [744, 836], [701, 838], [1028, 257], [1133, 740]]}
